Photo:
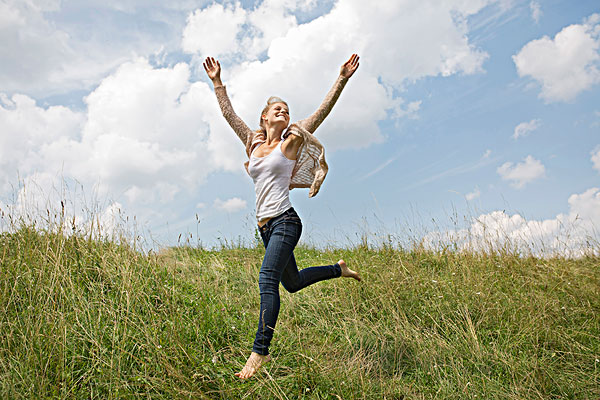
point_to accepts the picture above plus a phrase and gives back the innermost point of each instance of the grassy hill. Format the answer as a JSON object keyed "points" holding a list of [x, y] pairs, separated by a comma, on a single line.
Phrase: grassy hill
{"points": [[92, 319]]}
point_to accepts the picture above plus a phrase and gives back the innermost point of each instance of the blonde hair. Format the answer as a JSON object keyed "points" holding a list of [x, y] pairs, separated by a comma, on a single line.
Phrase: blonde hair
{"points": [[270, 101]]}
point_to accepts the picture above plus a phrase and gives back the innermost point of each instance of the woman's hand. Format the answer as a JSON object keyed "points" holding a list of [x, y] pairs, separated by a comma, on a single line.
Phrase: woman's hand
{"points": [[349, 66], [213, 70]]}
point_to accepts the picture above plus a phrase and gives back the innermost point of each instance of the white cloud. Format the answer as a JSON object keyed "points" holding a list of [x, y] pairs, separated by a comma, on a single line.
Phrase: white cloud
{"points": [[213, 30], [522, 173], [524, 128], [302, 60], [567, 235], [536, 11], [232, 205], [147, 134], [26, 130], [60, 205], [586, 206], [596, 158], [112, 221], [34, 49], [38, 195], [242, 32], [54, 47], [473, 195], [566, 65]]}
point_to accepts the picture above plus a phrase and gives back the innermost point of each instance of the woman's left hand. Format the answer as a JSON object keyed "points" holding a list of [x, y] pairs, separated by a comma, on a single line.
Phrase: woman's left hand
{"points": [[349, 66]]}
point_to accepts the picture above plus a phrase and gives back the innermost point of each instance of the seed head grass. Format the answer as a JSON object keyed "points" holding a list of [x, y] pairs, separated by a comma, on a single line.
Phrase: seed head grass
{"points": [[90, 318]]}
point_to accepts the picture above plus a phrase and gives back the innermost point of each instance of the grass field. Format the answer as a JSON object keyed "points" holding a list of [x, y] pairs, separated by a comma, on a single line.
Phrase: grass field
{"points": [[92, 319]]}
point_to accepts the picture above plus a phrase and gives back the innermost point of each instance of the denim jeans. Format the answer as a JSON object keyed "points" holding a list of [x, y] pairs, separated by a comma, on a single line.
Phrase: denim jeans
{"points": [[280, 235]]}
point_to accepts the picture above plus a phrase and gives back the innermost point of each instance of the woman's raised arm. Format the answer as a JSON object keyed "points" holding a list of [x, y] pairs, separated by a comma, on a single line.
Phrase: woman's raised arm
{"points": [[346, 71], [213, 70]]}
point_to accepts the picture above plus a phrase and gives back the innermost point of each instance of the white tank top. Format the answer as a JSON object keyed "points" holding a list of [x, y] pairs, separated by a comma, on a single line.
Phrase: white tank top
{"points": [[271, 175]]}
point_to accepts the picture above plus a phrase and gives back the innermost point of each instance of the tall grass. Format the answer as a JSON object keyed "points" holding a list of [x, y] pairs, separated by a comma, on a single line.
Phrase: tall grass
{"points": [[87, 317]]}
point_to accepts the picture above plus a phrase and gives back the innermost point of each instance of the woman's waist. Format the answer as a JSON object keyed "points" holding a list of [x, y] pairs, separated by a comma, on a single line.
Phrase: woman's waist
{"points": [[288, 213], [272, 208], [263, 222]]}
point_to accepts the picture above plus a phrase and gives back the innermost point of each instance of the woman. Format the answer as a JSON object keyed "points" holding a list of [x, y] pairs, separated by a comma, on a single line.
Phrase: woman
{"points": [[281, 157]]}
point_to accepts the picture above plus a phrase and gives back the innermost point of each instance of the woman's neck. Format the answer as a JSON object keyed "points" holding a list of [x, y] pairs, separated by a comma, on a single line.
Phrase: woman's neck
{"points": [[274, 134]]}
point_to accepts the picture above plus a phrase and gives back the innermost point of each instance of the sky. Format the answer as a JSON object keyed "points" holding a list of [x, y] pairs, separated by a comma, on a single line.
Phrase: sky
{"points": [[469, 122]]}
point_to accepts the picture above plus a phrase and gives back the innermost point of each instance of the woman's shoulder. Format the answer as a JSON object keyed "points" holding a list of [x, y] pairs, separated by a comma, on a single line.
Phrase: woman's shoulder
{"points": [[293, 136], [298, 129]]}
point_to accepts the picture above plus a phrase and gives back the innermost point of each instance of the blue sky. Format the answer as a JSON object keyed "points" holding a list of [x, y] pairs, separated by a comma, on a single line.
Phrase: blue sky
{"points": [[468, 116]]}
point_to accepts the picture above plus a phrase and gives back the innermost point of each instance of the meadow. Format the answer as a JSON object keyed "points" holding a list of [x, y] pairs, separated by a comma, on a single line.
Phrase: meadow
{"points": [[92, 318]]}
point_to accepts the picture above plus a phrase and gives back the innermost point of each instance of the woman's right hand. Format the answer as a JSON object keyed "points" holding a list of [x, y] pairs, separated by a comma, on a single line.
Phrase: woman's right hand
{"points": [[213, 70]]}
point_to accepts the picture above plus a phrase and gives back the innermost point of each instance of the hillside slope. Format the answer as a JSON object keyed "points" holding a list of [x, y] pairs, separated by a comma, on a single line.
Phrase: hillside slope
{"points": [[92, 319]]}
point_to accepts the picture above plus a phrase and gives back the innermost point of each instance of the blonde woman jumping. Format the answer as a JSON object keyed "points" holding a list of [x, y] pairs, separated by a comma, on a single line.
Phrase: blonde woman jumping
{"points": [[281, 157]]}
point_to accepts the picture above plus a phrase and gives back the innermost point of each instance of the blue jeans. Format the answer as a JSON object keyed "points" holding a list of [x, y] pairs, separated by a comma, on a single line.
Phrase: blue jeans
{"points": [[280, 235]]}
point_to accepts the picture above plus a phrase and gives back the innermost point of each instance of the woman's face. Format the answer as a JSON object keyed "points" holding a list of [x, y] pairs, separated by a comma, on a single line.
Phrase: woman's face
{"points": [[278, 114]]}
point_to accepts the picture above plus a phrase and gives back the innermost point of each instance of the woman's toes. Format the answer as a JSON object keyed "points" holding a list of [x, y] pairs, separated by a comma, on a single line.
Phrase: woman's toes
{"points": [[255, 361]]}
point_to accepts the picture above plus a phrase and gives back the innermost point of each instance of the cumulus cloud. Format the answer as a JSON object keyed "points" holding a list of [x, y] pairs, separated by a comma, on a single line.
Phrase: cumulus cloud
{"points": [[566, 65], [524, 128], [586, 206], [311, 53], [231, 205], [149, 134], [26, 130], [213, 30], [567, 235], [596, 158], [111, 221], [53, 47], [45, 47], [522, 173], [60, 205], [37, 195], [241, 32]]}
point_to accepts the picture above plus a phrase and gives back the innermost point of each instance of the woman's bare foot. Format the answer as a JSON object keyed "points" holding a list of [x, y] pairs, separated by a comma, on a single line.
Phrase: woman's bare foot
{"points": [[255, 361], [347, 272]]}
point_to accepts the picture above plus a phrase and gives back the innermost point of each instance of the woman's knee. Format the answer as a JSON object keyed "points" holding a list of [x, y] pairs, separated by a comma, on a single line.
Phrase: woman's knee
{"points": [[268, 284], [291, 287]]}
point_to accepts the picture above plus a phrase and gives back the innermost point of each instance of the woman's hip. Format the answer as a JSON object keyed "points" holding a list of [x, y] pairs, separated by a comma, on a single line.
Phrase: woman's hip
{"points": [[284, 226]]}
